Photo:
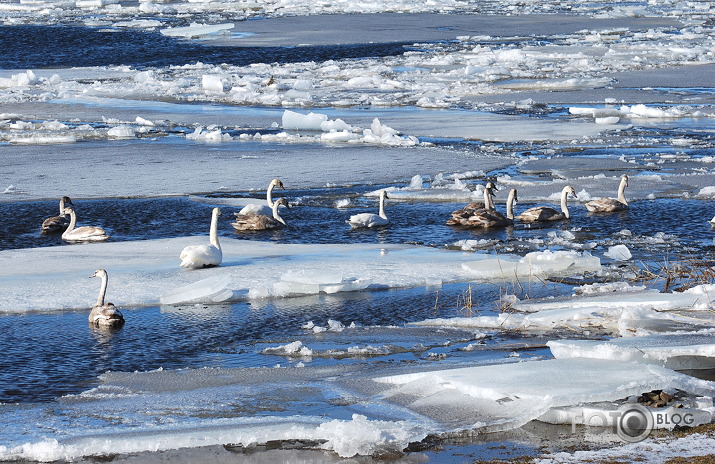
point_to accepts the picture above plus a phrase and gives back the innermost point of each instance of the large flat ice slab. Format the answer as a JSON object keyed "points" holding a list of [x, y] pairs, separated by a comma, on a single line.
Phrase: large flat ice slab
{"points": [[678, 351], [509, 395]]}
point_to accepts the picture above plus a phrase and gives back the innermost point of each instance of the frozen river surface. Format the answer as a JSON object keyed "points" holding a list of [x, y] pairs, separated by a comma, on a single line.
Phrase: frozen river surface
{"points": [[316, 341]]}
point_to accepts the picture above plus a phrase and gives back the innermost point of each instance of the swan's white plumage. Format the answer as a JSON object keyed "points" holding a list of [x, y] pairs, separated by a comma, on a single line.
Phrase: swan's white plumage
{"points": [[267, 209], [207, 255], [84, 233], [546, 213], [104, 314], [57, 224], [607, 205], [260, 221], [369, 220]]}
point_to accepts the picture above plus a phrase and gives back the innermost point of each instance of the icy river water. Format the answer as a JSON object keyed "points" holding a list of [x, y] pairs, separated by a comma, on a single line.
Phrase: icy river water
{"points": [[148, 133]]}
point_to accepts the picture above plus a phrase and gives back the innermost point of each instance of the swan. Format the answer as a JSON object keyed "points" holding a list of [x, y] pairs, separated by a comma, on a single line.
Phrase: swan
{"points": [[369, 220], [546, 213], [469, 210], [84, 233], [57, 224], [259, 221], [197, 256], [104, 314], [485, 218], [607, 205], [263, 210]]}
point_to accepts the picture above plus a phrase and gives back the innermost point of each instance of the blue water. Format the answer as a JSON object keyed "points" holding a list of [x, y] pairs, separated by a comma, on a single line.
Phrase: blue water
{"points": [[32, 47]]}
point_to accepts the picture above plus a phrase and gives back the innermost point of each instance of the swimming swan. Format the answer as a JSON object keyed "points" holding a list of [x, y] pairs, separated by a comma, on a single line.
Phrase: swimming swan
{"points": [[260, 221], [369, 220], [486, 219], [57, 224], [198, 256], [607, 205], [84, 233], [263, 210], [469, 210], [546, 213], [104, 314]]}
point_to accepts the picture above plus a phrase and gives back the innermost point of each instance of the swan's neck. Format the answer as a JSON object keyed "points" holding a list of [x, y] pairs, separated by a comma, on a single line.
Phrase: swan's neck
{"points": [[382, 207], [276, 216], [621, 191], [213, 233], [62, 208], [564, 204], [269, 195], [488, 201], [510, 206], [73, 221], [102, 290]]}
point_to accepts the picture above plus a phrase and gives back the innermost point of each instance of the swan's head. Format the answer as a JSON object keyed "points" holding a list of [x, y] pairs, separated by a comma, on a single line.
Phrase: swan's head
{"points": [[277, 183], [624, 180], [491, 186], [68, 210], [282, 202], [383, 194], [217, 211], [67, 200], [570, 191], [99, 273]]}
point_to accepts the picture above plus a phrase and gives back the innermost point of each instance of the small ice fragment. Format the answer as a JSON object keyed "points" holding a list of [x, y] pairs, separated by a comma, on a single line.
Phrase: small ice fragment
{"points": [[343, 203], [618, 253], [121, 132], [608, 120]]}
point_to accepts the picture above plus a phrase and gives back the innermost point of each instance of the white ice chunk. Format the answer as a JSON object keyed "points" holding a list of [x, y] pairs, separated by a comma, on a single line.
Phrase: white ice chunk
{"points": [[618, 253], [686, 351], [541, 264], [209, 289], [121, 132], [196, 30], [212, 83], [296, 121]]}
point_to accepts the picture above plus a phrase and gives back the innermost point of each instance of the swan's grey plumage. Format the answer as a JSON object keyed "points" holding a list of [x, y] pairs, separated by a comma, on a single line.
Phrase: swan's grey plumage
{"points": [[486, 218], [370, 220], [104, 314], [84, 233], [207, 255], [546, 213], [263, 210], [488, 203], [260, 221], [57, 224], [607, 205]]}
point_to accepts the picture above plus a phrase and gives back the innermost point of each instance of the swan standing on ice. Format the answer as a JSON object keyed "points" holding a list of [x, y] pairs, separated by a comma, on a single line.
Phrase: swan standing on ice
{"points": [[546, 213], [57, 224], [487, 219], [369, 220], [607, 205], [260, 221], [198, 256], [469, 210], [84, 233], [263, 210], [104, 315]]}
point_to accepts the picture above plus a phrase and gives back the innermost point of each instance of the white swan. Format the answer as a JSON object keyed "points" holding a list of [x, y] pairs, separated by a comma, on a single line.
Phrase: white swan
{"points": [[362, 220], [485, 218], [263, 210], [469, 210], [198, 256], [607, 205], [84, 233], [546, 213], [57, 224], [260, 221], [104, 315]]}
